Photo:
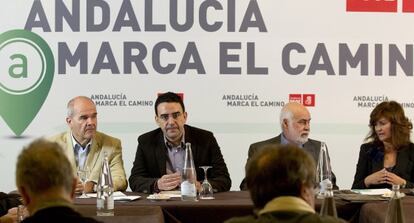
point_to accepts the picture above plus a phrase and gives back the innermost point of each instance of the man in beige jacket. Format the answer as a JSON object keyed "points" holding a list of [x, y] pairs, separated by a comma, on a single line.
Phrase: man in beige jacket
{"points": [[85, 147]]}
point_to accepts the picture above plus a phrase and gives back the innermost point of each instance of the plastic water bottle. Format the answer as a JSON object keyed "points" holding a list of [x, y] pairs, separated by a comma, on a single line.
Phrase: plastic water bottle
{"points": [[395, 213], [328, 205], [189, 177], [105, 190], [323, 171]]}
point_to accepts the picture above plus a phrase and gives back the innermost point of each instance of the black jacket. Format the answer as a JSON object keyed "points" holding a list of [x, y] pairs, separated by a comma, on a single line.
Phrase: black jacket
{"points": [[151, 158], [313, 147], [8, 201], [61, 214], [371, 159]]}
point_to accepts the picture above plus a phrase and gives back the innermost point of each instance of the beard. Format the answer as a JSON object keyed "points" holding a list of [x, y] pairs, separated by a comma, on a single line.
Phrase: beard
{"points": [[302, 139], [298, 138]]}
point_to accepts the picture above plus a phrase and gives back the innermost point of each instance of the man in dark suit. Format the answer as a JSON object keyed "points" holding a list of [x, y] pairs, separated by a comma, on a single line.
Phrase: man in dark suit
{"points": [[295, 124], [46, 182], [160, 154]]}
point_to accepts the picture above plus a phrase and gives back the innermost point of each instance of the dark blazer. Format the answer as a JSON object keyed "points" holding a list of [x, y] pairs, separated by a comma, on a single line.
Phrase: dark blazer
{"points": [[8, 201], [371, 160], [151, 158], [61, 214], [313, 147]]}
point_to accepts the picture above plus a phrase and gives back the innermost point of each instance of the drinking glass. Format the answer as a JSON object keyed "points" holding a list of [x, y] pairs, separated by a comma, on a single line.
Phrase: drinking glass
{"points": [[21, 213], [83, 174], [206, 192]]}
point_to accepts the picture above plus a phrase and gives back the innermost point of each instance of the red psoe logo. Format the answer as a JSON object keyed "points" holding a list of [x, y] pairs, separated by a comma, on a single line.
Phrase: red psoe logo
{"points": [[371, 5], [408, 6], [378, 5], [295, 98], [308, 100]]}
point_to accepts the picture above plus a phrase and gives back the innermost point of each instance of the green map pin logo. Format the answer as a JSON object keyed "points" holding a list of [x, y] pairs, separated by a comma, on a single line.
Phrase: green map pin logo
{"points": [[26, 74]]}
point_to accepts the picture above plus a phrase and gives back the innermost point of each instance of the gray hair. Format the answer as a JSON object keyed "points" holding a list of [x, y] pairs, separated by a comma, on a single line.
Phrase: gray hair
{"points": [[71, 103], [42, 166], [285, 113]]}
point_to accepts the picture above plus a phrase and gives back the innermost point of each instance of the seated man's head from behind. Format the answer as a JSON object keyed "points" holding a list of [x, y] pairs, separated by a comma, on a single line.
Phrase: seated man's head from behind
{"points": [[44, 174], [280, 170]]}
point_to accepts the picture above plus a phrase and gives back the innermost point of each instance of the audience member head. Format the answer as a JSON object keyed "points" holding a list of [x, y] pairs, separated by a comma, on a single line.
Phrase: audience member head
{"points": [[280, 170], [389, 124], [82, 119], [295, 123], [43, 173], [170, 116]]}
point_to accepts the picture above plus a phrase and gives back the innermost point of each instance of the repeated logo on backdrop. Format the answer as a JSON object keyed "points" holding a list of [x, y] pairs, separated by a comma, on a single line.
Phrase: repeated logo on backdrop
{"points": [[379, 5], [305, 99]]}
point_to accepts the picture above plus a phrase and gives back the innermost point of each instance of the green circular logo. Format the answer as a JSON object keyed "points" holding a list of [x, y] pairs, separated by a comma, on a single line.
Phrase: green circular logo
{"points": [[26, 60]]}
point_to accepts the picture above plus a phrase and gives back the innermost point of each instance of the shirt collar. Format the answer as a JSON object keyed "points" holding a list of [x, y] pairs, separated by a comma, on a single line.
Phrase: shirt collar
{"points": [[74, 143], [287, 203], [284, 141], [169, 145]]}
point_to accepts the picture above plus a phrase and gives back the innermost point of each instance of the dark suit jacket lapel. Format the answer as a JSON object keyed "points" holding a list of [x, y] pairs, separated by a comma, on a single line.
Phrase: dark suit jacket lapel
{"points": [[312, 149], [94, 151], [160, 154], [277, 139], [189, 138], [402, 166]]}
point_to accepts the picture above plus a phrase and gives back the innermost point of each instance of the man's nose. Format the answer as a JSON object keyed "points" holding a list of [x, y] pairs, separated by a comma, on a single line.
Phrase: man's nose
{"points": [[170, 119], [91, 121]]}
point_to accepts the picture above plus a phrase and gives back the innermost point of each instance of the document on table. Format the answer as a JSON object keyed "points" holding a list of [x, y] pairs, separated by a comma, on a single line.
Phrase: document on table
{"points": [[172, 193], [119, 196], [382, 191]]}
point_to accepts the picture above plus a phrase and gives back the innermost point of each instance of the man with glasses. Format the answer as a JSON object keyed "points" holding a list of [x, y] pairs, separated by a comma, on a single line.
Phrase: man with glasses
{"points": [[295, 124], [160, 154]]}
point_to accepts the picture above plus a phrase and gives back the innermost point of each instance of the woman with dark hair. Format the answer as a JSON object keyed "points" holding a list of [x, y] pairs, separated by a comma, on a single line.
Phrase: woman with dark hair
{"points": [[388, 156]]}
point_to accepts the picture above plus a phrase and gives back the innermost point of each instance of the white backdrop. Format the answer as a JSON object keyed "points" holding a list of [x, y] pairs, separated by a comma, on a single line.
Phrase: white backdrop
{"points": [[324, 33]]}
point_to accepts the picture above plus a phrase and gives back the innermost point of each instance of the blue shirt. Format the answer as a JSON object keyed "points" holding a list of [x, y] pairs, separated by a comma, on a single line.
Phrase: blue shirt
{"points": [[284, 141], [81, 153], [176, 155]]}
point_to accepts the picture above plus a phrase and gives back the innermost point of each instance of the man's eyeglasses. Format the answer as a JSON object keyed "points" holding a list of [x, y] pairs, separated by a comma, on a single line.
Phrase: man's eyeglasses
{"points": [[174, 115]]}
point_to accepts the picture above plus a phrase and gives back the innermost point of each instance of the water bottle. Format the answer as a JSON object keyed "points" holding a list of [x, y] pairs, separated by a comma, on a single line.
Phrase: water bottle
{"points": [[104, 191], [395, 213], [189, 177], [328, 206], [323, 171]]}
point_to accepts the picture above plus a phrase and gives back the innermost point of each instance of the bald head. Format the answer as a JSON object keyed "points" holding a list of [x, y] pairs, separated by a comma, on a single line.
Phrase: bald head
{"points": [[75, 102], [295, 123], [82, 119]]}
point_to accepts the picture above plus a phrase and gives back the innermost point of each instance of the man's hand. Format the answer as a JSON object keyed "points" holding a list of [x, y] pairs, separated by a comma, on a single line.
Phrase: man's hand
{"points": [[88, 187], [79, 187], [169, 181], [12, 216], [198, 186]]}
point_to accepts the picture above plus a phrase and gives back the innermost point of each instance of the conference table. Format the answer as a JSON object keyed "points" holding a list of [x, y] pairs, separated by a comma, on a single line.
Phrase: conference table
{"points": [[227, 205]]}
